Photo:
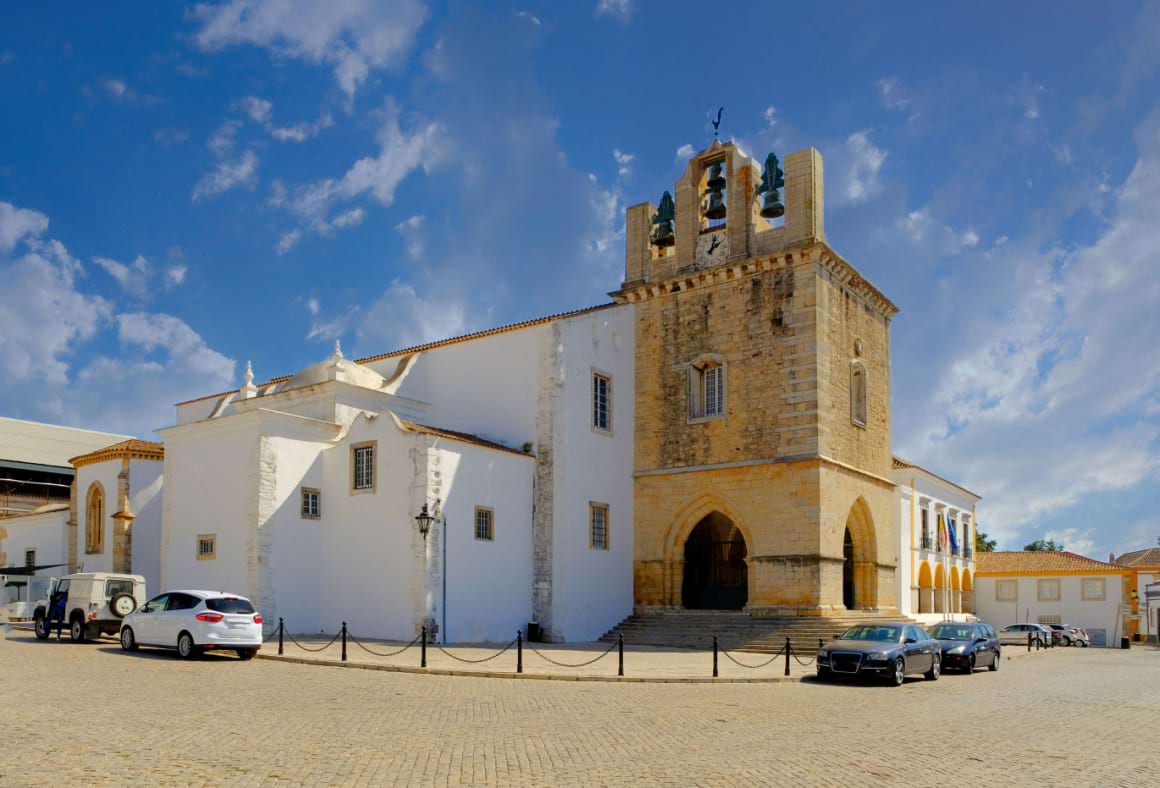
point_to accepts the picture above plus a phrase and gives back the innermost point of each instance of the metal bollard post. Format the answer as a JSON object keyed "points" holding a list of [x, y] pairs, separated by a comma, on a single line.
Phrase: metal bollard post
{"points": [[281, 631], [821, 644], [620, 650], [423, 650], [788, 648], [1028, 641], [344, 641], [519, 651], [714, 656]]}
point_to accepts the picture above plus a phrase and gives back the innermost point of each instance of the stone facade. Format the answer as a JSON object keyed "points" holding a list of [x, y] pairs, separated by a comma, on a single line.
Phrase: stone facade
{"points": [[789, 321]]}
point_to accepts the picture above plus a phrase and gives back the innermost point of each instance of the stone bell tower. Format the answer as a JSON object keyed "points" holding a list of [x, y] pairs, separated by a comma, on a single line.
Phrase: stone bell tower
{"points": [[762, 436]]}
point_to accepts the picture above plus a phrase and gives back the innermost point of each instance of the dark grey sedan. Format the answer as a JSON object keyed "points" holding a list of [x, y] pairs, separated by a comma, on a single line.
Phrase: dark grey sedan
{"points": [[967, 646], [888, 650]]}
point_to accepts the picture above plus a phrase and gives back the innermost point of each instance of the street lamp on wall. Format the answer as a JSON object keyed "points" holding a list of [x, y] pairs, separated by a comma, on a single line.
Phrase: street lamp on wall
{"points": [[424, 519]]}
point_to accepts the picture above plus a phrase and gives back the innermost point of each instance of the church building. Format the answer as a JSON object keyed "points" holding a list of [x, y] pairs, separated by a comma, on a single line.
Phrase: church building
{"points": [[717, 437]]}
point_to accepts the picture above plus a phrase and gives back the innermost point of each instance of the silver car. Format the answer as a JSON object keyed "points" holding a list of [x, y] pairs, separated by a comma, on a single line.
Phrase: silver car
{"points": [[1016, 634]]}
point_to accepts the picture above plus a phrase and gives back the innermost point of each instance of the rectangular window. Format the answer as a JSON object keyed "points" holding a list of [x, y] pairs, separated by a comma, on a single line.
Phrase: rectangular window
{"points": [[598, 526], [362, 460], [311, 503], [484, 524], [601, 402], [1006, 590], [206, 547], [1050, 620], [1094, 589], [29, 559], [714, 391], [926, 543], [1048, 590]]}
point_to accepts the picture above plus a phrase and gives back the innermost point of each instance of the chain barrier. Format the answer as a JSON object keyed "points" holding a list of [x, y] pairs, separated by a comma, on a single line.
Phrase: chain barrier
{"points": [[805, 662], [313, 650], [544, 656], [769, 661], [378, 653], [476, 661]]}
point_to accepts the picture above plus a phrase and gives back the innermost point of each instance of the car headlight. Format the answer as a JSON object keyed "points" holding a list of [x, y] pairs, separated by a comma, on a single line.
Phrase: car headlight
{"points": [[823, 655], [957, 650], [875, 657]]}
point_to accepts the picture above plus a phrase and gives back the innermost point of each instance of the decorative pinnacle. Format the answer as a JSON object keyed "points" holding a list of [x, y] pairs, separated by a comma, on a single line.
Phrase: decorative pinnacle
{"points": [[249, 375], [337, 350]]}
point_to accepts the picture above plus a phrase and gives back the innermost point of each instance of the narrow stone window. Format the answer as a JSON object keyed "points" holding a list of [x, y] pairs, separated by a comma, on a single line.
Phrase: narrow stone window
{"points": [[95, 520], [484, 524], [598, 526], [859, 410], [927, 544], [601, 402], [206, 547], [362, 467], [311, 503], [29, 559], [707, 388]]}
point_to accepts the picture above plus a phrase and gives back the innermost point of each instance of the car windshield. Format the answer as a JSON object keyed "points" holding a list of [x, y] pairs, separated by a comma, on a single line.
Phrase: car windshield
{"points": [[884, 634], [944, 632], [230, 604]]}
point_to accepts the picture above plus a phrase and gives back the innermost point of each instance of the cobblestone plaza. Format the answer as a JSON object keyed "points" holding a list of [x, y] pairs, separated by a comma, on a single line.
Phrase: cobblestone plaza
{"points": [[91, 714]]}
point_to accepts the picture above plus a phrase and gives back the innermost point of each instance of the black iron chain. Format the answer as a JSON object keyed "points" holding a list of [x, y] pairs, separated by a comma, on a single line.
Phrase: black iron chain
{"points": [[769, 661], [313, 650], [597, 658], [475, 661], [379, 653]]}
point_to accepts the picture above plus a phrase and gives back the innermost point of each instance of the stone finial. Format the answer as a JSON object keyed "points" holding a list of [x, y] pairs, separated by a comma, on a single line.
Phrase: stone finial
{"points": [[249, 374], [337, 350], [249, 389]]}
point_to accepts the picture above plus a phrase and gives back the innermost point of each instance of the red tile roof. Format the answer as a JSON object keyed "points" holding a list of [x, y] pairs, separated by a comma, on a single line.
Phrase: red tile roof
{"points": [[1148, 557], [901, 464], [133, 449], [464, 437], [1032, 562]]}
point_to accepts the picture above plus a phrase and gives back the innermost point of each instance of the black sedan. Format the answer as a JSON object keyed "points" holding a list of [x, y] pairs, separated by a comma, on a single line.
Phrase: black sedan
{"points": [[967, 646], [887, 650]]}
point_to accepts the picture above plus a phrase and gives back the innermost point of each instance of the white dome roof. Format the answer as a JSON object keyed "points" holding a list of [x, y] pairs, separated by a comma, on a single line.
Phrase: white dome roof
{"points": [[337, 368]]}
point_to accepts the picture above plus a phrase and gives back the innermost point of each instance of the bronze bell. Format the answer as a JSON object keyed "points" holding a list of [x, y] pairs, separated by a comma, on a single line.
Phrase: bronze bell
{"points": [[771, 206], [716, 178], [715, 206], [663, 235]]}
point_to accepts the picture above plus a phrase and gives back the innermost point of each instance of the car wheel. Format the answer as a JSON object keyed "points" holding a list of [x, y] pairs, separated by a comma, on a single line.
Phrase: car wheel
{"points": [[76, 630], [41, 628], [971, 665], [186, 648], [247, 653], [899, 673], [995, 660], [935, 669], [128, 642], [1085, 643]]}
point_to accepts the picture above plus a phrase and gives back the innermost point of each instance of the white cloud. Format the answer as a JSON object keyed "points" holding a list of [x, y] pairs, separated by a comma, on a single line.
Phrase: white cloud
{"points": [[261, 111], [227, 175], [400, 316], [623, 163], [167, 138], [685, 152], [770, 116], [288, 241], [18, 223], [175, 275], [1076, 540], [858, 166], [353, 36], [115, 87], [133, 278], [617, 9], [969, 239], [412, 231], [1062, 153], [892, 93], [221, 142]]}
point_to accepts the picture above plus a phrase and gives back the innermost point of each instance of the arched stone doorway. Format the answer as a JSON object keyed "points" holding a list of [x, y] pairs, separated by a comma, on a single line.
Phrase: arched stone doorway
{"points": [[925, 589], [859, 559], [716, 573]]}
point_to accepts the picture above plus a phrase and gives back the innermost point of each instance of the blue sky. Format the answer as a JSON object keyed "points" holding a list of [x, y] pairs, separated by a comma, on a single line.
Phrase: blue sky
{"points": [[184, 187]]}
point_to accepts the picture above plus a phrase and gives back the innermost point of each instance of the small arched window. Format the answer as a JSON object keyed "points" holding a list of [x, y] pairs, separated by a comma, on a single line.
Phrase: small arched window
{"points": [[707, 387], [95, 519], [859, 385]]}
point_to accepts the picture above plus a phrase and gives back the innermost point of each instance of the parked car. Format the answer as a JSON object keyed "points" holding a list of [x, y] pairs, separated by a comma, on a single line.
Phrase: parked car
{"points": [[1067, 635], [967, 646], [1016, 634], [193, 622], [888, 650], [91, 604]]}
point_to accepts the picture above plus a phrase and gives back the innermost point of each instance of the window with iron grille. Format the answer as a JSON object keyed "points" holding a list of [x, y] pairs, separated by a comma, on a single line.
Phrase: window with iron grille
{"points": [[707, 389], [484, 524], [363, 466], [206, 547], [598, 526], [927, 542], [311, 503], [29, 559], [601, 402]]}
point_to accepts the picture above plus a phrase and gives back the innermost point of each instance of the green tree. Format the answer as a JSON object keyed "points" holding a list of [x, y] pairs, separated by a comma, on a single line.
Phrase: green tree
{"points": [[983, 543], [1044, 545]]}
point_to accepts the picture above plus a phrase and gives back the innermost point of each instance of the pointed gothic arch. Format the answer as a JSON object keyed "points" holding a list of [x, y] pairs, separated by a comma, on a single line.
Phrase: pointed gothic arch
{"points": [[683, 525], [859, 558], [95, 519]]}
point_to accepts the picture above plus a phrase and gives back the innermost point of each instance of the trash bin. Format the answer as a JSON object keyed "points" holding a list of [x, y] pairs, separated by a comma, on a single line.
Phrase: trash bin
{"points": [[1125, 642], [533, 632]]}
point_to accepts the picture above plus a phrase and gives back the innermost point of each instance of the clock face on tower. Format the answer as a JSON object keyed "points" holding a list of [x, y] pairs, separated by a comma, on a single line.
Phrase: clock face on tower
{"points": [[712, 248]]}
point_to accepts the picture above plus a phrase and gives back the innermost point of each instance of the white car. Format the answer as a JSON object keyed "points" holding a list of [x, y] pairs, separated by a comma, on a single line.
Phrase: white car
{"points": [[193, 622], [1016, 634]]}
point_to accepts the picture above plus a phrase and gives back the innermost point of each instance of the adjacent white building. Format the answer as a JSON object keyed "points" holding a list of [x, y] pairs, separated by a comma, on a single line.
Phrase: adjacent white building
{"points": [[1144, 590], [936, 565], [1043, 587], [303, 493]]}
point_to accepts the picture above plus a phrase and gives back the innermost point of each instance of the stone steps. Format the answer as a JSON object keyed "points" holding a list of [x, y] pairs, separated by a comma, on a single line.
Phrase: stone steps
{"points": [[735, 630]]}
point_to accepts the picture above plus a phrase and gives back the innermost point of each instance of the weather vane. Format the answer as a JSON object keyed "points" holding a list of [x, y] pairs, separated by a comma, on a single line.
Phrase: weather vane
{"points": [[717, 122]]}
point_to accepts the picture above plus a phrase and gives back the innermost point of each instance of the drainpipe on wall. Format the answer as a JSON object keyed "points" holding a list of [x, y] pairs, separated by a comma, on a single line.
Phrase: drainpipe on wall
{"points": [[445, 638]]}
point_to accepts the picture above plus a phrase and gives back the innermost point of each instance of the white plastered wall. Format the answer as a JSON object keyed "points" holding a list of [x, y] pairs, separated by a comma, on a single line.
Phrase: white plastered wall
{"points": [[1071, 608]]}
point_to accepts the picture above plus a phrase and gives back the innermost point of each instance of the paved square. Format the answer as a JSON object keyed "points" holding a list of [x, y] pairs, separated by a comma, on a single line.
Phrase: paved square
{"points": [[92, 714]]}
